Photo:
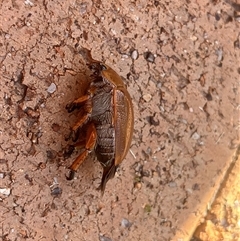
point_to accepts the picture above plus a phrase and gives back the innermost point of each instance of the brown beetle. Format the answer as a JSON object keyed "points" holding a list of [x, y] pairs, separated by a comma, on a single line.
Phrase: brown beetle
{"points": [[108, 115]]}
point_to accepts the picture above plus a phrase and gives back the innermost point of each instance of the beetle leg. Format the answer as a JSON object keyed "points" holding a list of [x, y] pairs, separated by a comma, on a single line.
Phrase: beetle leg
{"points": [[80, 144], [76, 164], [76, 103], [73, 105], [75, 134], [87, 112], [80, 122], [69, 150], [91, 138]]}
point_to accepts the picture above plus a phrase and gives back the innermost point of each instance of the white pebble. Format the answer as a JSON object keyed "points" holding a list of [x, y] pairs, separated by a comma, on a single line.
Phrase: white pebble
{"points": [[147, 97], [28, 2], [193, 38], [134, 54], [5, 191], [52, 88], [195, 136], [219, 53]]}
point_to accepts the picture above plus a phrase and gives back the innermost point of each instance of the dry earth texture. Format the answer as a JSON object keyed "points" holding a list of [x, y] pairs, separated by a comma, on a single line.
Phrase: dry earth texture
{"points": [[180, 62]]}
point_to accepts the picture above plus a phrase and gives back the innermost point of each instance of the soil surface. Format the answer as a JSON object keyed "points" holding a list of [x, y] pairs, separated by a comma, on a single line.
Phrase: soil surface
{"points": [[180, 63]]}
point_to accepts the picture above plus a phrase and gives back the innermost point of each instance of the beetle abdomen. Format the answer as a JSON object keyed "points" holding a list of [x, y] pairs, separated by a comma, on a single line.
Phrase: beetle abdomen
{"points": [[105, 146]]}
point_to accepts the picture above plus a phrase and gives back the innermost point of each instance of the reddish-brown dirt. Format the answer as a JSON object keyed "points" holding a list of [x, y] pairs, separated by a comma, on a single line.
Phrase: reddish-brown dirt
{"points": [[180, 62]]}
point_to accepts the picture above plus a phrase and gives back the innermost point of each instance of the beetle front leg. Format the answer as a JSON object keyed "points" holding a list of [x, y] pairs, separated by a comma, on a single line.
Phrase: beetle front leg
{"points": [[91, 138]]}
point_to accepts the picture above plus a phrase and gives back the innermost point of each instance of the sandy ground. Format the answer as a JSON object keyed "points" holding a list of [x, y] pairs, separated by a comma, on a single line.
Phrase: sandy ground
{"points": [[180, 62]]}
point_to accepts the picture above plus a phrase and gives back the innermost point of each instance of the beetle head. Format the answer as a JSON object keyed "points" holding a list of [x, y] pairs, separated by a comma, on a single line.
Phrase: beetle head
{"points": [[95, 68]]}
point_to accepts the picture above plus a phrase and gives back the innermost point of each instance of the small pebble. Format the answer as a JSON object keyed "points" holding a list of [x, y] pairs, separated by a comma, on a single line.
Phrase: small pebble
{"points": [[217, 16], [159, 85], [172, 184], [223, 222], [193, 38], [125, 223], [103, 238], [5, 191], [152, 120], [219, 53], [138, 185], [147, 97], [149, 57], [195, 136], [134, 54], [52, 88], [56, 191], [28, 2], [113, 31]]}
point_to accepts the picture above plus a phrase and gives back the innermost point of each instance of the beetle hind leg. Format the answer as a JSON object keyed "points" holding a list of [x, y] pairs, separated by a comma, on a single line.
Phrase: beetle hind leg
{"points": [[76, 130], [90, 142], [76, 164], [70, 148]]}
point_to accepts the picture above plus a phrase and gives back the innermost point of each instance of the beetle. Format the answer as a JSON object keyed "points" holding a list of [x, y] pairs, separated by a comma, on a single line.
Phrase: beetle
{"points": [[107, 117]]}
